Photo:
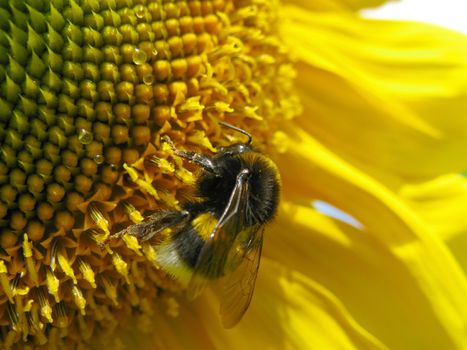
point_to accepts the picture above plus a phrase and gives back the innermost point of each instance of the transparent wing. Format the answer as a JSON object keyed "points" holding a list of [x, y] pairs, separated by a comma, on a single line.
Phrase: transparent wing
{"points": [[239, 284], [213, 256]]}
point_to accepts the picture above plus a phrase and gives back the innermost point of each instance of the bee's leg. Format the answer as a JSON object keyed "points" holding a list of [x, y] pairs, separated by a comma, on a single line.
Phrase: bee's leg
{"points": [[198, 158], [156, 223]]}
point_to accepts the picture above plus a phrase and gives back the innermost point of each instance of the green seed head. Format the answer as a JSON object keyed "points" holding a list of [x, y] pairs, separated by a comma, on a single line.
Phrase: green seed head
{"points": [[87, 89]]}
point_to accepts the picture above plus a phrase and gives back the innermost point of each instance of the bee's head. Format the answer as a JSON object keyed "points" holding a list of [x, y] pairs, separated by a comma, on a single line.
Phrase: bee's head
{"points": [[230, 151]]}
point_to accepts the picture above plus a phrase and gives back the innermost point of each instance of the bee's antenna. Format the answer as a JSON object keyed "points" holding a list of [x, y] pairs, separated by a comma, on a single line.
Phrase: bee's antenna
{"points": [[241, 131]]}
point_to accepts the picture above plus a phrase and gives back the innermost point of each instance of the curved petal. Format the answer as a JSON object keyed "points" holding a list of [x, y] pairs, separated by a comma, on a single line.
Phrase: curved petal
{"points": [[310, 171], [336, 5], [391, 97], [442, 203], [289, 312], [378, 289]]}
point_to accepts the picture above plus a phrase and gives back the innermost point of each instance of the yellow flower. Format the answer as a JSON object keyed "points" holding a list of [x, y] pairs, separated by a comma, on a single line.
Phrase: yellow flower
{"points": [[87, 90]]}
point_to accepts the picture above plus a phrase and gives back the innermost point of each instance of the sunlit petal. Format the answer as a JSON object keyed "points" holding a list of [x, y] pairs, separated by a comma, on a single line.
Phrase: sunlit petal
{"points": [[314, 171], [381, 94]]}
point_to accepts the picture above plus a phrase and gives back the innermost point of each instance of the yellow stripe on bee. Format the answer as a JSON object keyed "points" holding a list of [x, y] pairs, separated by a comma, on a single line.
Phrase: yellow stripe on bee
{"points": [[204, 225], [171, 263]]}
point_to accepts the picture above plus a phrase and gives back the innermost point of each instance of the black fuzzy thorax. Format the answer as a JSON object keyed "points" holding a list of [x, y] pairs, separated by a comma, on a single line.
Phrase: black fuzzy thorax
{"points": [[214, 190]]}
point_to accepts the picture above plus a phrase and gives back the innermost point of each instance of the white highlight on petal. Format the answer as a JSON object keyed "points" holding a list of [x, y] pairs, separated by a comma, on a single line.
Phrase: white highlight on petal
{"points": [[335, 213], [447, 13]]}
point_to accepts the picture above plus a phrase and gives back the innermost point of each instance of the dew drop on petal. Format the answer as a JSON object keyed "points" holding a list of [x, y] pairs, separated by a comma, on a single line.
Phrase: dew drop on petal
{"points": [[85, 137], [139, 56], [148, 79], [139, 11], [99, 158]]}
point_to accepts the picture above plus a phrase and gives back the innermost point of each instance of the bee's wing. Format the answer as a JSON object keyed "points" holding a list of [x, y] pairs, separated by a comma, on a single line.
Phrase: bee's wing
{"points": [[213, 256], [239, 284]]}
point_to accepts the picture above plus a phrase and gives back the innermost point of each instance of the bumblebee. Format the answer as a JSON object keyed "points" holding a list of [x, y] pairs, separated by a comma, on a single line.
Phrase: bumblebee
{"points": [[218, 234]]}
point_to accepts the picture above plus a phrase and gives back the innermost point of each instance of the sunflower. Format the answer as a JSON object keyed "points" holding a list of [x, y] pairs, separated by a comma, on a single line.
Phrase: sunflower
{"points": [[364, 115]]}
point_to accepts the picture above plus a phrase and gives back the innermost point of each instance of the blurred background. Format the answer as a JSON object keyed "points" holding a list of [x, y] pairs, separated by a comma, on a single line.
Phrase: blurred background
{"points": [[447, 13]]}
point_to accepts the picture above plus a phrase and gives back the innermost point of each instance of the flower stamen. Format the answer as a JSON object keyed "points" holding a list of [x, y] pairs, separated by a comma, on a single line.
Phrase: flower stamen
{"points": [[87, 272], [143, 184], [100, 220], [79, 299], [5, 282], [27, 252], [52, 284]]}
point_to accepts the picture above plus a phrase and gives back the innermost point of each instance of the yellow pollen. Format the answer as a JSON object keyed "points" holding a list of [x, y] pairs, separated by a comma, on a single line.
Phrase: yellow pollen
{"points": [[134, 215], [79, 299], [45, 308], [28, 306], [185, 176], [110, 290], [62, 317], [87, 272], [199, 138], [66, 267], [163, 164], [150, 254], [250, 112], [169, 199], [17, 290], [100, 239], [166, 146], [192, 104], [98, 218], [132, 243], [27, 251], [121, 266], [5, 282], [222, 107], [52, 284], [146, 186]]}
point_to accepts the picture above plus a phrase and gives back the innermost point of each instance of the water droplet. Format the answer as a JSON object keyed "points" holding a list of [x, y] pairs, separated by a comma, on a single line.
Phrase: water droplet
{"points": [[148, 79], [99, 158], [85, 137], [139, 11], [139, 56]]}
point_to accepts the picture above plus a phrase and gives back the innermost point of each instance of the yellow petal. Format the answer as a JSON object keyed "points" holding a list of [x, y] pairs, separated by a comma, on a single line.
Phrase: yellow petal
{"points": [[442, 203], [377, 288], [336, 5], [391, 97], [289, 311], [310, 171]]}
